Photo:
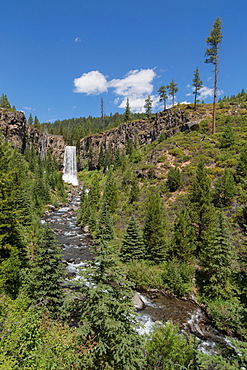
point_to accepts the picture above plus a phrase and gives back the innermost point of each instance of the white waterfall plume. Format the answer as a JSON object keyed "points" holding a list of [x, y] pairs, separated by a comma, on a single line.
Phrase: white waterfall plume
{"points": [[70, 167]]}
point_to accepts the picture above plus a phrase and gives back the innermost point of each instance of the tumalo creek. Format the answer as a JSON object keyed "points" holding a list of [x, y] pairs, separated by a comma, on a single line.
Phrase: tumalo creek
{"points": [[75, 244]]}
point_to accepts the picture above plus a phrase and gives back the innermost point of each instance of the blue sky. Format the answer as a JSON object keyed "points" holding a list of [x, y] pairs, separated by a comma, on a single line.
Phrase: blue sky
{"points": [[59, 57]]}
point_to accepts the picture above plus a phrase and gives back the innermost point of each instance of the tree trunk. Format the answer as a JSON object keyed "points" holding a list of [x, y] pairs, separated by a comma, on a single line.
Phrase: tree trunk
{"points": [[215, 91]]}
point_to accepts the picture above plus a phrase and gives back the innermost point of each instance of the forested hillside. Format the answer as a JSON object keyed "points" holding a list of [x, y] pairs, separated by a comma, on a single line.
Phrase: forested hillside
{"points": [[170, 215]]}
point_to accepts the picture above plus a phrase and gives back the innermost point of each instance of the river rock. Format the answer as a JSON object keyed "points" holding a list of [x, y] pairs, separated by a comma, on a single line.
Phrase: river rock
{"points": [[138, 302]]}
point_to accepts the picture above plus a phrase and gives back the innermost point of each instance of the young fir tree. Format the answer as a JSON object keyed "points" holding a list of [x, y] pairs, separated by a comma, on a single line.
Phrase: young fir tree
{"points": [[134, 190], [197, 83], [241, 170], [174, 179], [127, 113], [212, 56], [104, 228], [224, 189], [46, 271], [184, 240], [110, 195], [201, 207], [163, 94], [155, 228], [218, 260], [228, 136], [108, 317], [133, 247], [4, 103], [172, 90]]}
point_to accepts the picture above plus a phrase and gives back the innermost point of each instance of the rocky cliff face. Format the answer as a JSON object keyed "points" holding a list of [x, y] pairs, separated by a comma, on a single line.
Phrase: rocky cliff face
{"points": [[140, 132], [15, 130]]}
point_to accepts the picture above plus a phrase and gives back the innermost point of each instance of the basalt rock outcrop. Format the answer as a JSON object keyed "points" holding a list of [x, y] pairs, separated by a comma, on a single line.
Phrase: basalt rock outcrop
{"points": [[15, 130], [140, 132]]}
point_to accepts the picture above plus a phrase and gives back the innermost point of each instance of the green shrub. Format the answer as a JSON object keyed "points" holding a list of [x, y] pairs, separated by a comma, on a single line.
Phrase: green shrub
{"points": [[178, 276], [144, 275]]}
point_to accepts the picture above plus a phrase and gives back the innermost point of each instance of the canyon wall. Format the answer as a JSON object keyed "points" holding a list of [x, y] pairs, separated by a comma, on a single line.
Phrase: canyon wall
{"points": [[15, 130], [140, 132]]}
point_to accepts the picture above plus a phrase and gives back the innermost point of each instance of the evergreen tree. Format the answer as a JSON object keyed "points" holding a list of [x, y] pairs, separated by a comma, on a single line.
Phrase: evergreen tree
{"points": [[30, 119], [101, 158], [130, 147], [224, 189], [241, 170], [184, 241], [197, 83], [104, 228], [134, 190], [228, 137], [4, 103], [36, 123], [108, 315], [201, 207], [45, 274], [163, 95], [148, 106], [155, 228], [110, 195], [172, 90], [133, 247], [218, 259], [212, 56], [174, 179], [127, 113]]}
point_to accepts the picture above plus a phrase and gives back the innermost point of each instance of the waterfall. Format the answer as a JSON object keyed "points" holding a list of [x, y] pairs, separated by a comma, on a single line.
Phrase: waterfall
{"points": [[70, 167]]}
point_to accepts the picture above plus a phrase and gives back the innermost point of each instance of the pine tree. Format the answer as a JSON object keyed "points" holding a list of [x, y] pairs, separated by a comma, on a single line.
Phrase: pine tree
{"points": [[224, 189], [104, 228], [201, 207], [108, 316], [212, 56], [184, 240], [133, 247], [110, 195], [197, 83], [218, 259], [163, 95], [134, 190], [4, 103], [46, 271], [174, 179], [172, 90], [241, 170], [155, 228], [148, 106], [30, 119], [101, 158], [228, 136], [127, 113]]}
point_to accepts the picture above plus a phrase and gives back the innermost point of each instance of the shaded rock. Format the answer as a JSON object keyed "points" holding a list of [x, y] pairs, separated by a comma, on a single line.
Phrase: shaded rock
{"points": [[138, 302]]}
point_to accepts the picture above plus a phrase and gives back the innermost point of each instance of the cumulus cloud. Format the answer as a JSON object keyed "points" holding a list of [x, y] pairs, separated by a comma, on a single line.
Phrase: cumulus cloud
{"points": [[136, 85], [91, 83], [206, 92]]}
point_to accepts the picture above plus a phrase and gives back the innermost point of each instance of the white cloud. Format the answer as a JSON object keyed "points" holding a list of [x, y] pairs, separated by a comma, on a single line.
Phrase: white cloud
{"points": [[91, 83], [206, 92], [77, 39], [136, 85], [27, 108]]}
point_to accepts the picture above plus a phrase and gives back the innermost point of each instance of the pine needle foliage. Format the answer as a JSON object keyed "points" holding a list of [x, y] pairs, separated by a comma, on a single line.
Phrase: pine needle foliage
{"points": [[133, 247]]}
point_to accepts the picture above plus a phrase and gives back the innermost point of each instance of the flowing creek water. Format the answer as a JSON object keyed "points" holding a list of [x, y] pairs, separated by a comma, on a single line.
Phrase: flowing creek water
{"points": [[158, 307]]}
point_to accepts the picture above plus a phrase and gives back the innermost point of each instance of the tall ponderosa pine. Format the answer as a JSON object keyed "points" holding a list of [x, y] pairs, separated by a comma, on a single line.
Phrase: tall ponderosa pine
{"points": [[201, 208], [172, 90], [108, 316], [197, 83], [46, 271], [212, 56], [155, 227], [218, 260], [163, 94], [133, 247]]}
